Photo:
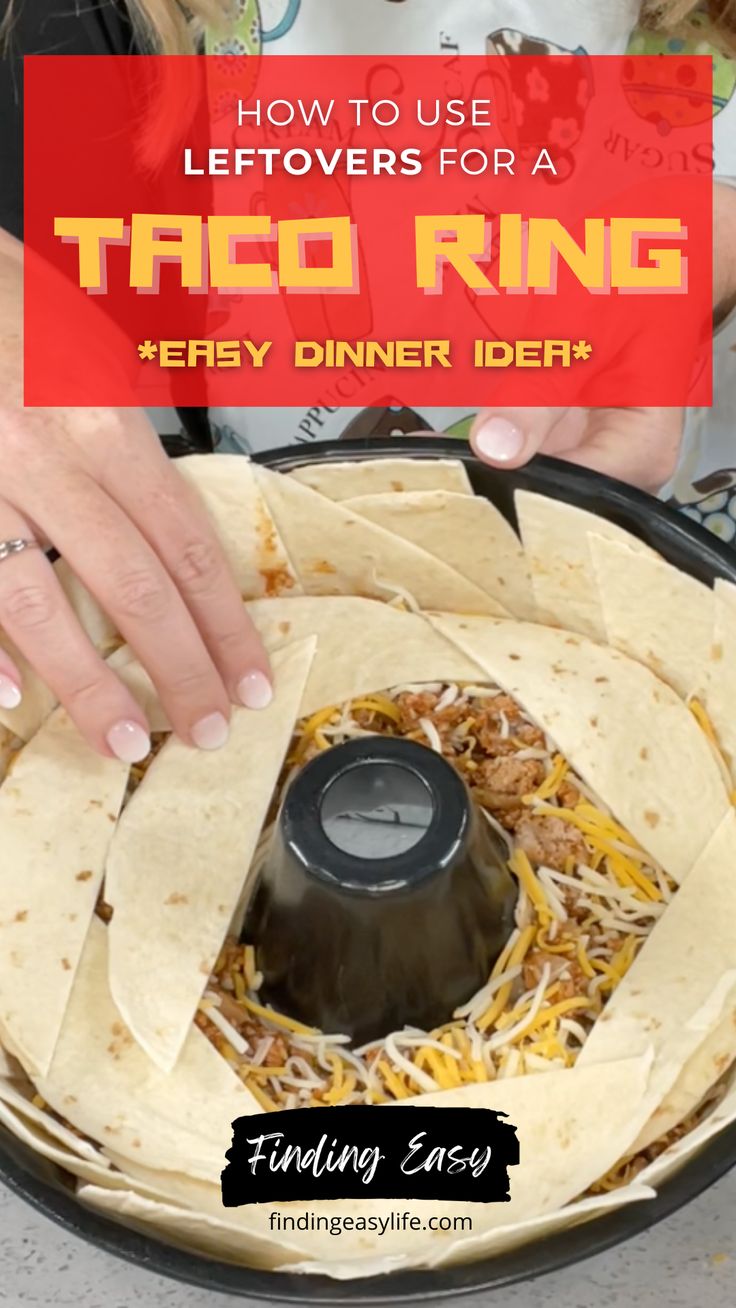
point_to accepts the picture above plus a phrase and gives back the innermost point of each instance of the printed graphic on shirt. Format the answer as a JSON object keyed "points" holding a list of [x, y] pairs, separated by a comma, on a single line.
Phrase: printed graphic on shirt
{"points": [[549, 107], [387, 418], [678, 96], [716, 506], [258, 22], [502, 27]]}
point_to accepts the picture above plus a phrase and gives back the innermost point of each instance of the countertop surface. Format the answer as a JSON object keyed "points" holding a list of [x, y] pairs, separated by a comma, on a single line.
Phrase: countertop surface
{"points": [[688, 1261]]}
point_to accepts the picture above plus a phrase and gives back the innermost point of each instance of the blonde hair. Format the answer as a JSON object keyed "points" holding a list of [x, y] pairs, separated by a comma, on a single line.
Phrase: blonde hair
{"points": [[163, 26], [168, 27]]}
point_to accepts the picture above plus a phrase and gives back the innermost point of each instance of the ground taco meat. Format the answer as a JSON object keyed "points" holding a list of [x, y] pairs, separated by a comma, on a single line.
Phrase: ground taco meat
{"points": [[549, 841]]}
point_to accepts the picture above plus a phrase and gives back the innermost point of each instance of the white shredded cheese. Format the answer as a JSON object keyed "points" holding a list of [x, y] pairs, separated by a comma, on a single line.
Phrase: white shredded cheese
{"points": [[432, 734], [233, 1037], [501, 1038], [477, 1006]]}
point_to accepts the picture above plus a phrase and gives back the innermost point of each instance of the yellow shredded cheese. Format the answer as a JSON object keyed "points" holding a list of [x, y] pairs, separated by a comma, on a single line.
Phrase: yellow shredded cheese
{"points": [[549, 1048], [596, 831], [446, 1077], [339, 1092], [249, 965], [553, 947], [584, 961], [515, 956], [552, 783], [262, 1070], [278, 1019], [522, 869], [377, 704], [394, 1082]]}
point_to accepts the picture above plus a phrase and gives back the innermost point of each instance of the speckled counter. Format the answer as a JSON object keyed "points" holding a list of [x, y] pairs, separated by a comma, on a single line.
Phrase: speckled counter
{"points": [[688, 1261]]}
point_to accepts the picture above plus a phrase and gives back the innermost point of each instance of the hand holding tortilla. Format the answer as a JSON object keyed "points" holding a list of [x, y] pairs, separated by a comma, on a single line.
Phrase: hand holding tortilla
{"points": [[583, 728], [134, 539]]}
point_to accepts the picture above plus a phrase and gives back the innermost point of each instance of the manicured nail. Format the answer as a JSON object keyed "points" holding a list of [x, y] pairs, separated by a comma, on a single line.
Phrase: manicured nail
{"points": [[500, 440], [255, 691], [210, 732], [129, 742], [10, 695]]}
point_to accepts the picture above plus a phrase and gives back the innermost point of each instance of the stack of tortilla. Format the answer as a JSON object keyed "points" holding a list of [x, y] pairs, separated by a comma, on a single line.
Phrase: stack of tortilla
{"points": [[361, 576]]}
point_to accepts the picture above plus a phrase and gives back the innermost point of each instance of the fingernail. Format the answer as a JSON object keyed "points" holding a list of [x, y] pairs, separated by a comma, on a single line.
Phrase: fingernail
{"points": [[10, 695], [255, 691], [210, 732], [500, 440], [129, 742]]}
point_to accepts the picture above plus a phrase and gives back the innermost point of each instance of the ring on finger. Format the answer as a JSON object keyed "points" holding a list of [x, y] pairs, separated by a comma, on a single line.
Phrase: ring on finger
{"points": [[16, 546]]}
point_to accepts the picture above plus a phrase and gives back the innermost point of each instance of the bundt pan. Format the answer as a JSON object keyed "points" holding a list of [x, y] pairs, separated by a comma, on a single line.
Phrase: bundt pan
{"points": [[691, 549]]}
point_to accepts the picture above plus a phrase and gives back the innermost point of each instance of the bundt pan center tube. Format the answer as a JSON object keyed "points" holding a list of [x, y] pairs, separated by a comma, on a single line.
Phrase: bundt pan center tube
{"points": [[386, 899]]}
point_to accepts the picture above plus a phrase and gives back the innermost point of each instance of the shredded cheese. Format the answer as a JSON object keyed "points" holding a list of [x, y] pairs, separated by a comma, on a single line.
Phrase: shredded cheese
{"points": [[599, 833], [552, 783], [278, 1019], [616, 888], [515, 957], [378, 704], [522, 869]]}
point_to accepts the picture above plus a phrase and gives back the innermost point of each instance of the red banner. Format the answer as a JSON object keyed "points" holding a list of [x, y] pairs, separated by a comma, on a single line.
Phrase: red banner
{"points": [[499, 230]]}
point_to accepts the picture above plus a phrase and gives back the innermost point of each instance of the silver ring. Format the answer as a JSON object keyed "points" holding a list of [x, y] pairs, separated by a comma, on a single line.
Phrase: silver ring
{"points": [[8, 547]]}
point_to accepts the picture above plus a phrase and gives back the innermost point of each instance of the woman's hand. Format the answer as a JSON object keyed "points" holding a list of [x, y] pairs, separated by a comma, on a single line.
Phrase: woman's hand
{"points": [[98, 486], [640, 446]]}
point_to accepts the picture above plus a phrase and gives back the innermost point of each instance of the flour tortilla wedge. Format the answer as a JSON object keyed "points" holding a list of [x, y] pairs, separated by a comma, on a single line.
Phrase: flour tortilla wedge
{"points": [[558, 1118], [680, 989], [128, 669], [180, 855], [9, 744], [38, 700], [711, 1060], [653, 612], [224, 1238], [256, 553], [717, 688], [555, 536], [336, 552], [10, 1068], [362, 646], [627, 734], [541, 1228], [17, 1102], [57, 815], [103, 1083], [204, 1201], [99, 627], [466, 531], [669, 1162], [341, 481], [505, 1238], [217, 1238], [97, 1170]]}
